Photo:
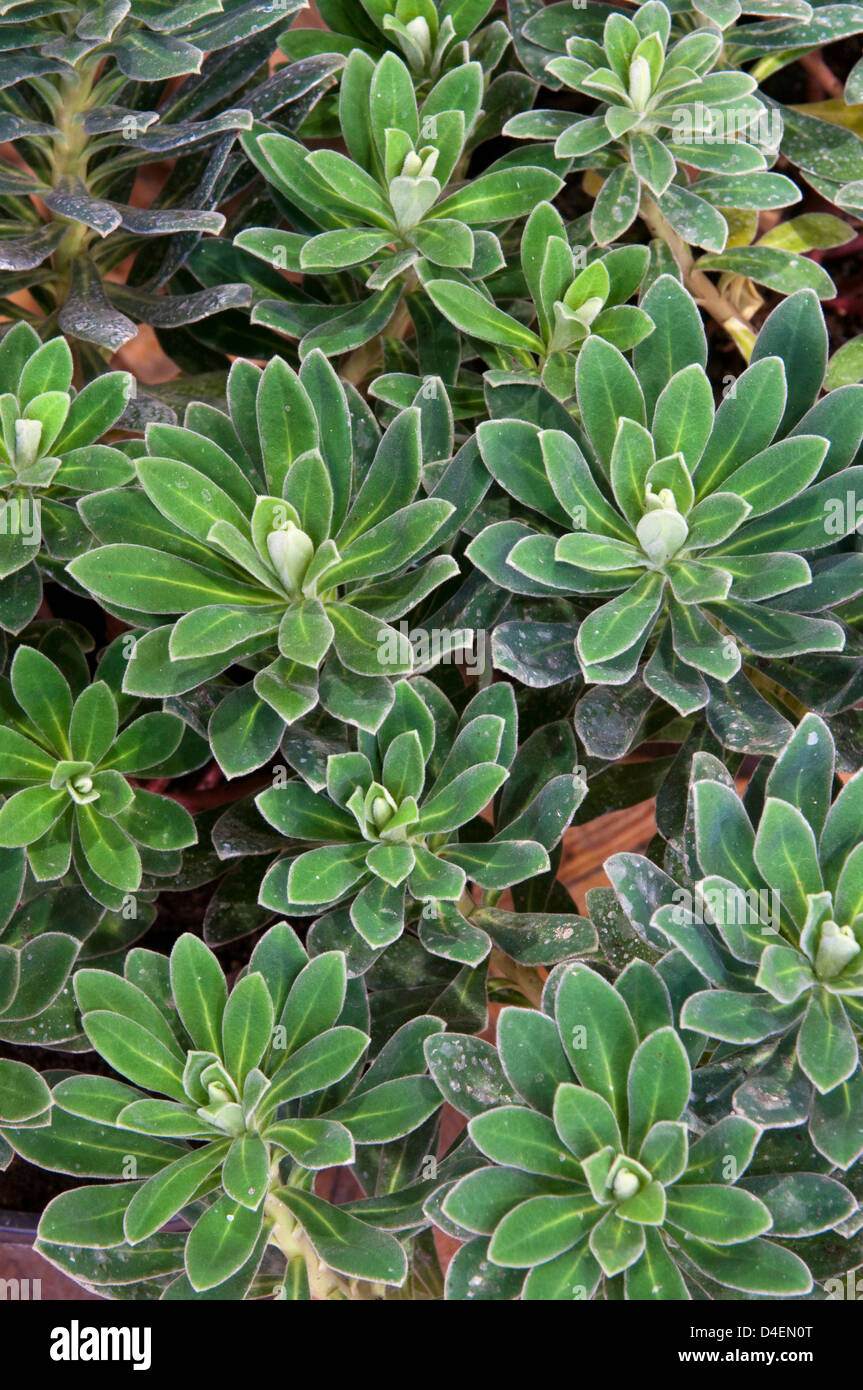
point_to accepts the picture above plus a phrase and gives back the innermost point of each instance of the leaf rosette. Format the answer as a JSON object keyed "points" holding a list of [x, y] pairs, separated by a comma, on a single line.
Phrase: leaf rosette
{"points": [[49, 456], [231, 1106], [594, 1187], [775, 928], [398, 831], [573, 298], [698, 521], [391, 210], [65, 766], [430, 36], [288, 536]]}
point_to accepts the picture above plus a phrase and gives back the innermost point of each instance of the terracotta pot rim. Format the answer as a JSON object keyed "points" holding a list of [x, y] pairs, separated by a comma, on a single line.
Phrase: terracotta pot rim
{"points": [[18, 1227]]}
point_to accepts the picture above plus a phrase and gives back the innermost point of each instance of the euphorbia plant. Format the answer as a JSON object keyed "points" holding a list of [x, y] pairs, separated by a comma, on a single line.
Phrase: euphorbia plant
{"points": [[572, 300], [775, 926], [594, 1187], [430, 35], [658, 101], [389, 819], [492, 547], [65, 767], [694, 519], [89, 93], [395, 205], [675, 98], [49, 455], [237, 1101], [287, 540]]}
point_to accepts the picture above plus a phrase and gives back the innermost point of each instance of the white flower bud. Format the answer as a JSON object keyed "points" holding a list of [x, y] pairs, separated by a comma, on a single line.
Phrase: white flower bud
{"points": [[661, 532], [640, 83], [80, 789], [421, 34], [412, 165], [589, 310], [28, 437], [291, 551], [382, 811], [625, 1185], [837, 946]]}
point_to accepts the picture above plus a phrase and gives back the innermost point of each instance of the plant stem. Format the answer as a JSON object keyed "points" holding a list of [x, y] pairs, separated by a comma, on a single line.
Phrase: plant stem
{"points": [[700, 286], [292, 1240], [818, 69], [525, 977]]}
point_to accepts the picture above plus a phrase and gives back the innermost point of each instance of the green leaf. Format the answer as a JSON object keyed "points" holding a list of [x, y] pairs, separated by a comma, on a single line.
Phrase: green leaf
{"points": [[247, 1025], [136, 1053], [389, 1111], [245, 730], [795, 332], [315, 1001], [736, 1017], [23, 760], [480, 1200], [299, 813], [619, 624], [318, 1064], [467, 1072], [220, 1242], [616, 205], [597, 1033], [137, 577], [344, 1243], [778, 270], [658, 1084], [93, 724], [655, 1275], [677, 340], [683, 418], [585, 1121], [757, 1266], [694, 220], [787, 855], [70, 1144], [721, 1214], [324, 875], [188, 497], [94, 410], [101, 989], [44, 695], [199, 991], [88, 1217], [30, 814], [826, 1046], [313, 1143], [541, 1228], [478, 316], [607, 390], [246, 1171], [653, 162], [335, 250], [461, 800], [522, 1139], [23, 1093], [616, 1243], [500, 196]]}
